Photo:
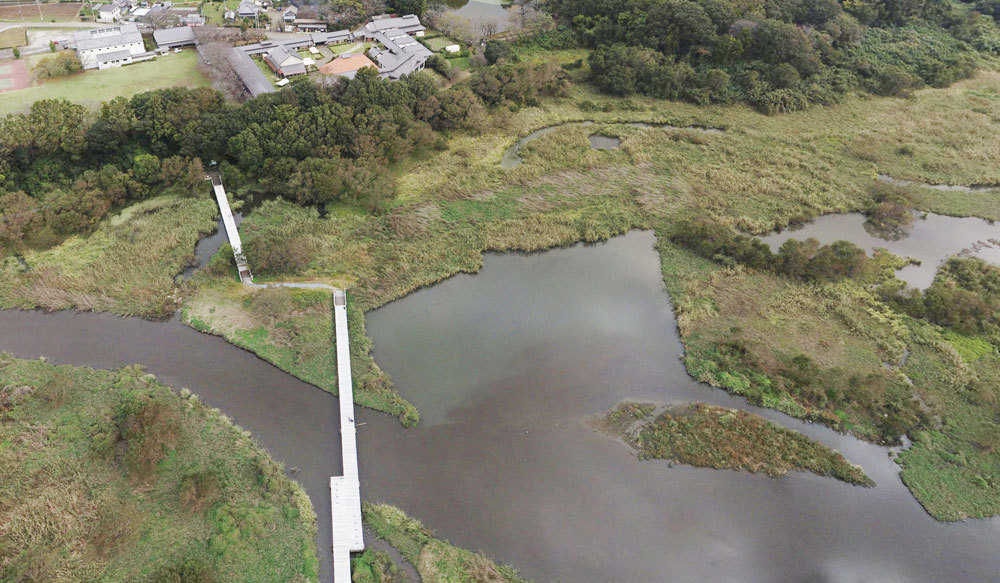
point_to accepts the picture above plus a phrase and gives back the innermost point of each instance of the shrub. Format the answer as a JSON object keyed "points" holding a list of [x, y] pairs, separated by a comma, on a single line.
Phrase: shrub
{"points": [[891, 211], [496, 50], [60, 65]]}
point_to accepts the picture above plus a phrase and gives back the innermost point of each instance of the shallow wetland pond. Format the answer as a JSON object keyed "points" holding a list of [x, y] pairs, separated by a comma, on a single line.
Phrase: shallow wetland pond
{"points": [[508, 368], [931, 239]]}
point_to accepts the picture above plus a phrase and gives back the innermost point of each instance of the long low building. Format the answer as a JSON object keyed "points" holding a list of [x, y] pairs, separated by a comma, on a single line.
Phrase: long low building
{"points": [[253, 78], [410, 24], [91, 44], [176, 37]]}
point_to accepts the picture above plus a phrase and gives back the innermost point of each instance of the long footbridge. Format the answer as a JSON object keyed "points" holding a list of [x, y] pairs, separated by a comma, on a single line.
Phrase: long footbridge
{"points": [[345, 490]]}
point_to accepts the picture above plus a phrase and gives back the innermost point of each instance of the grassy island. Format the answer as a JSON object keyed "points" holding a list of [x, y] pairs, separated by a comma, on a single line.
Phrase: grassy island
{"points": [[716, 437]]}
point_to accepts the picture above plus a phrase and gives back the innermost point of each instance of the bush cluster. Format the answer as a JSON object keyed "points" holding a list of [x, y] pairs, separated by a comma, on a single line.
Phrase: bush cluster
{"points": [[805, 260], [58, 66]]}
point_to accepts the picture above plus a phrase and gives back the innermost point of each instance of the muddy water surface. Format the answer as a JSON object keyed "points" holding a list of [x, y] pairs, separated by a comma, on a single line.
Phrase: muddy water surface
{"points": [[508, 368]]}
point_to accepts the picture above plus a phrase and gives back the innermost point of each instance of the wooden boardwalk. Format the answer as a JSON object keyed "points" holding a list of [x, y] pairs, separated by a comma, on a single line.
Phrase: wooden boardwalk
{"points": [[231, 230], [345, 491]]}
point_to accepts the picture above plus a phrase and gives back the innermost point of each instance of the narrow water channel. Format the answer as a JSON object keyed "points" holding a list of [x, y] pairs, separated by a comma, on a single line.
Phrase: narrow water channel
{"points": [[508, 367]]}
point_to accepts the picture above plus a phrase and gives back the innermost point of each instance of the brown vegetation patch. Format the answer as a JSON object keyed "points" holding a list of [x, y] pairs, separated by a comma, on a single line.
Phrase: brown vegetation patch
{"points": [[710, 436]]}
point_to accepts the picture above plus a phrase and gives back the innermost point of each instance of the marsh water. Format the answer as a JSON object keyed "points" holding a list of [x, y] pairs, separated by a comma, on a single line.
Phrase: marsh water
{"points": [[478, 12], [508, 368], [930, 239]]}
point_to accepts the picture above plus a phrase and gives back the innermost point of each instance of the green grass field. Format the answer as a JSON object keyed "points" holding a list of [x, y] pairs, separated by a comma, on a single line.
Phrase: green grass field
{"points": [[214, 12], [110, 476], [437, 43], [90, 88]]}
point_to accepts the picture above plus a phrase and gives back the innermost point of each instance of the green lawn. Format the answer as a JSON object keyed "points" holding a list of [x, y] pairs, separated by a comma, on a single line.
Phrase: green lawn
{"points": [[349, 48], [92, 87], [267, 71], [214, 12], [439, 42]]}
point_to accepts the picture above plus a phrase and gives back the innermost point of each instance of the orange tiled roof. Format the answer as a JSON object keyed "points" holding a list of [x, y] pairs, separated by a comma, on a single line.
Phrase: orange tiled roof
{"points": [[346, 64]]}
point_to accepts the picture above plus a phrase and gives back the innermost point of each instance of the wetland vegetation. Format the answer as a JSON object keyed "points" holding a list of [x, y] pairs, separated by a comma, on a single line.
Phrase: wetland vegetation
{"points": [[704, 435], [111, 476]]}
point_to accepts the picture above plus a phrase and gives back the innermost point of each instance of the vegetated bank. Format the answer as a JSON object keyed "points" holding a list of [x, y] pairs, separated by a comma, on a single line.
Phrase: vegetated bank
{"points": [[435, 560], [111, 476], [704, 435]]}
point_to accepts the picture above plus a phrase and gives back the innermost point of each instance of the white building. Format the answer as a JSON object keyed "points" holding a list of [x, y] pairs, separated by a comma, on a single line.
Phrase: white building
{"points": [[108, 47], [109, 12]]}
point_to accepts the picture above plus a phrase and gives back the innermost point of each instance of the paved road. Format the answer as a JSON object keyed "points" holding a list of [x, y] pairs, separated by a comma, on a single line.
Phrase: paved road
{"points": [[43, 24]]}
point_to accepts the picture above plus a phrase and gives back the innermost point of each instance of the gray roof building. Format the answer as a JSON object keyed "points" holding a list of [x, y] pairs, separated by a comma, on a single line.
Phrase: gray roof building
{"points": [[333, 37], [402, 54], [114, 57], [247, 9], [284, 62], [101, 38], [170, 38], [410, 24], [253, 78]]}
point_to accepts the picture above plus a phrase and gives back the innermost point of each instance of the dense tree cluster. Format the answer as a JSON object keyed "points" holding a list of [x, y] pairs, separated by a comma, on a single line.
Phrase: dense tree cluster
{"points": [[806, 260], [62, 167], [964, 297], [520, 84], [776, 54]]}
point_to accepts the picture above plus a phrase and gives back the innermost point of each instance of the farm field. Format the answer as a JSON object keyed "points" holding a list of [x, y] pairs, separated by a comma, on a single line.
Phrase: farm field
{"points": [[93, 87], [40, 12]]}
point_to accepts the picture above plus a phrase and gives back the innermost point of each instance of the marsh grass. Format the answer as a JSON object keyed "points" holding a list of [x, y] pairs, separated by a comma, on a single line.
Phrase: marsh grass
{"points": [[111, 476], [126, 266], [436, 561], [709, 436]]}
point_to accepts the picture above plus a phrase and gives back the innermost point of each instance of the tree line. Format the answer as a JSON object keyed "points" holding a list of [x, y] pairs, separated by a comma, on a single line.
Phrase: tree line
{"points": [[778, 55], [64, 167]]}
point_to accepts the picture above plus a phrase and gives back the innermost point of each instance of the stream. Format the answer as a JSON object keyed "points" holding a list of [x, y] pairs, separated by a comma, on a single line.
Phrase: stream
{"points": [[508, 368]]}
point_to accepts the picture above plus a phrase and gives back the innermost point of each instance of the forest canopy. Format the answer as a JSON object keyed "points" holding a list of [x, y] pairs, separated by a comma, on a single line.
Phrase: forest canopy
{"points": [[778, 55]]}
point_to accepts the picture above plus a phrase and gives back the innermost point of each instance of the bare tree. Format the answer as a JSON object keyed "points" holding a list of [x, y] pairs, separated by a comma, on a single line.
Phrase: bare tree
{"points": [[214, 45], [487, 28]]}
